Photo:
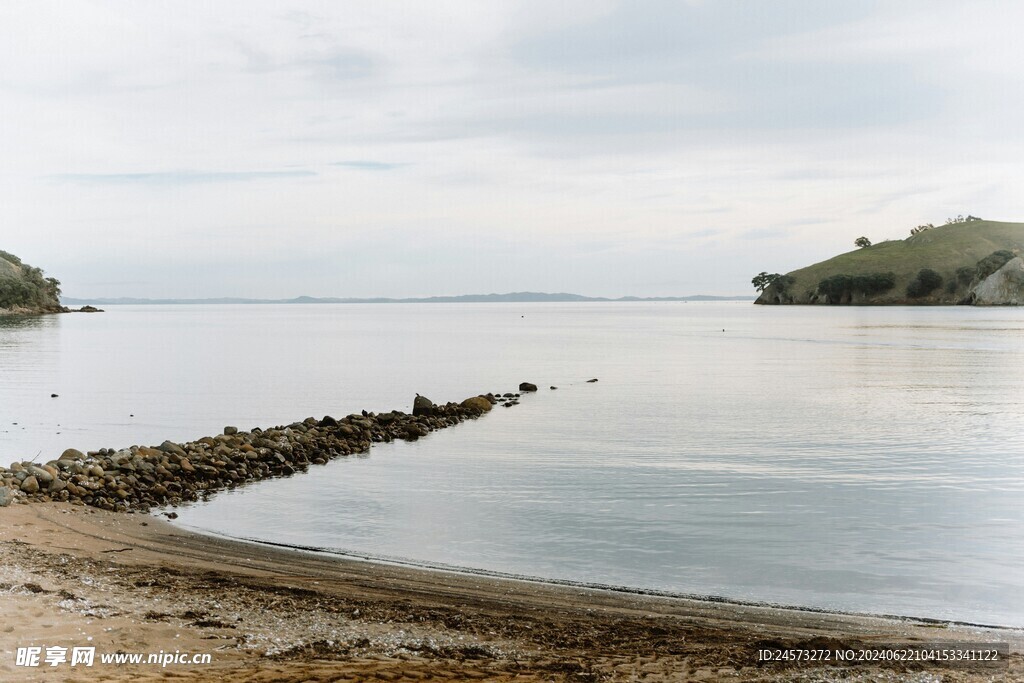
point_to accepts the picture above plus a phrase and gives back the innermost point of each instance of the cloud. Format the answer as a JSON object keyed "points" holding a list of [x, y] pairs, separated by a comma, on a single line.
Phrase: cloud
{"points": [[368, 165], [177, 177], [609, 144]]}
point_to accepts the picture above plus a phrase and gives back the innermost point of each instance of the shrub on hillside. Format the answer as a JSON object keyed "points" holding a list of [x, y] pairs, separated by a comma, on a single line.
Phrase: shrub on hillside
{"points": [[839, 288], [874, 283], [926, 282], [992, 263]]}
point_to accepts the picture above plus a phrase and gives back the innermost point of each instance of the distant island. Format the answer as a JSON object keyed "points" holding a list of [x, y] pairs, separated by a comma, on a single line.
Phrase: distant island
{"points": [[25, 289], [513, 297], [967, 261]]}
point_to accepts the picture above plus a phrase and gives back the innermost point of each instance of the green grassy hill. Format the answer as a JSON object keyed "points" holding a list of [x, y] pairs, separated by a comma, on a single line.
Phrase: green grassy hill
{"points": [[891, 272], [24, 289]]}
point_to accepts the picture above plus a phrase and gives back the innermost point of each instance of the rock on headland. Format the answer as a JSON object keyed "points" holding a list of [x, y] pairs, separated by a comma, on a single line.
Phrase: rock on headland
{"points": [[1005, 287]]}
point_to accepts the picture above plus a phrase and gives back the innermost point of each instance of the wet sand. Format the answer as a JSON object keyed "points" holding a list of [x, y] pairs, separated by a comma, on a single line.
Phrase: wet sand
{"points": [[73, 576]]}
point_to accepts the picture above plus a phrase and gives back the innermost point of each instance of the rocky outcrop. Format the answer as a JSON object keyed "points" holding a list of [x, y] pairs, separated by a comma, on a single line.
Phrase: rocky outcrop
{"points": [[142, 477], [1005, 287], [25, 290]]}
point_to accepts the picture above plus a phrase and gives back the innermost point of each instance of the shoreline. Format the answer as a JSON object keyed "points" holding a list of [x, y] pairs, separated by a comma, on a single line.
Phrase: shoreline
{"points": [[136, 583], [610, 588]]}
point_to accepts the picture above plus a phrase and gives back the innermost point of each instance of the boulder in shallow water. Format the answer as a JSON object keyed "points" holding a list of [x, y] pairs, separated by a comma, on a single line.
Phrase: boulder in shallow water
{"points": [[526, 386], [478, 403], [422, 406]]}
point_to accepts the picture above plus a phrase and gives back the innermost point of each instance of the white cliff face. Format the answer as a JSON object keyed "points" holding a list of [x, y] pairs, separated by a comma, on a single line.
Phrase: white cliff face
{"points": [[1005, 287]]}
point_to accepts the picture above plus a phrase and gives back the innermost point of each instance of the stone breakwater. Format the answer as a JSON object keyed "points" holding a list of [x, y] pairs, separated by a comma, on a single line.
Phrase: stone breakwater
{"points": [[142, 477]]}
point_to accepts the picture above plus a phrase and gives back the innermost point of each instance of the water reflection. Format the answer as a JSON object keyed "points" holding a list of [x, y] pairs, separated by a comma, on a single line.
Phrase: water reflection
{"points": [[866, 459]]}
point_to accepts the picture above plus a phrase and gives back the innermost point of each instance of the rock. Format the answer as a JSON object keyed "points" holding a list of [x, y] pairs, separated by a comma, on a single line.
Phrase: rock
{"points": [[90, 309], [72, 454], [526, 386], [53, 396], [40, 474], [140, 477], [422, 406], [553, 388], [478, 403], [171, 447], [1005, 287], [591, 381], [6, 496]]}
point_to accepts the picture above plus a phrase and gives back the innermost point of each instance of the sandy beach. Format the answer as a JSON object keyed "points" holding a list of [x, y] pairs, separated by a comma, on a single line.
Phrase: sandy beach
{"points": [[73, 576]]}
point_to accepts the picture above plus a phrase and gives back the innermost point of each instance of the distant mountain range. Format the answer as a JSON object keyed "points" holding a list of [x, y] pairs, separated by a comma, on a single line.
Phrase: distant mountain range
{"points": [[513, 297]]}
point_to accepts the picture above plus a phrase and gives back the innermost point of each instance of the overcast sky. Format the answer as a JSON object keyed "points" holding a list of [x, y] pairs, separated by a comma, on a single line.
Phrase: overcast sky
{"points": [[268, 149]]}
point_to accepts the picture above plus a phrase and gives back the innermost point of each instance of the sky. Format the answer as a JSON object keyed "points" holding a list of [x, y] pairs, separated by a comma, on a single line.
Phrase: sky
{"points": [[648, 148]]}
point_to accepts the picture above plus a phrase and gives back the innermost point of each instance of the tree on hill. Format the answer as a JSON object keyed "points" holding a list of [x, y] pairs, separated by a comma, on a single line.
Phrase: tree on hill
{"points": [[862, 242], [763, 280]]}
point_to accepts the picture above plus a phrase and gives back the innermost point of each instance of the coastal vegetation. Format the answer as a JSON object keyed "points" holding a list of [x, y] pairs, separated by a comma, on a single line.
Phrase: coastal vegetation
{"points": [[947, 264], [25, 288]]}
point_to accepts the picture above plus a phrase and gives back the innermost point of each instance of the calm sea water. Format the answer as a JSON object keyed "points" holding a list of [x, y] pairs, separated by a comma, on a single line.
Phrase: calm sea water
{"points": [[864, 459]]}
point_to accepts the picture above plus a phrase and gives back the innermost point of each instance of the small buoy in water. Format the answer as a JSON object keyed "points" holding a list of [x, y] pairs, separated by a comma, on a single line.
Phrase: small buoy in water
{"points": [[53, 395], [132, 415]]}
